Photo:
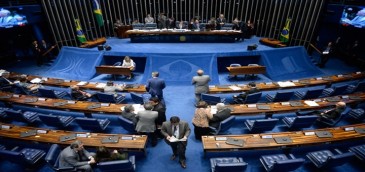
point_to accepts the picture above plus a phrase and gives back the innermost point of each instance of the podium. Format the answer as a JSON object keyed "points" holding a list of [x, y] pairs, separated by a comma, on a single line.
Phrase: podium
{"points": [[121, 31]]}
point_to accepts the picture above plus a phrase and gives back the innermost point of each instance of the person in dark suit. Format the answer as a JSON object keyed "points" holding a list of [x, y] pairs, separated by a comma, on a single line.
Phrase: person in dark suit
{"points": [[222, 113], [326, 54], [176, 129], [155, 86], [37, 52], [220, 21], [240, 98], [201, 84], [103, 154], [76, 156], [161, 109], [78, 94], [333, 113], [146, 122], [128, 113], [196, 25]]}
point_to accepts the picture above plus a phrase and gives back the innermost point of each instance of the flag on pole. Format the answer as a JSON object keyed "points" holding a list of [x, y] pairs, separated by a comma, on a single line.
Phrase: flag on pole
{"points": [[284, 36], [80, 34], [97, 12]]}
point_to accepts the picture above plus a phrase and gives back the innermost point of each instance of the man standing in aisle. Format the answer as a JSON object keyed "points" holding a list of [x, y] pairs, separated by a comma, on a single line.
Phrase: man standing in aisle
{"points": [[201, 84], [155, 86]]}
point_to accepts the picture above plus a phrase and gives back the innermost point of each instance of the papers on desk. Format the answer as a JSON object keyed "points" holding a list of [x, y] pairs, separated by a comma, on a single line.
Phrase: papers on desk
{"points": [[286, 84], [233, 87], [82, 83], [213, 109], [101, 85], [36, 81], [311, 103], [137, 108], [173, 139]]}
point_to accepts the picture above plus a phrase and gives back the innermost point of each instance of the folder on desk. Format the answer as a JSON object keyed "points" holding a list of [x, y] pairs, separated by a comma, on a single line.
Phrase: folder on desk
{"points": [[360, 130], [296, 104], [333, 99], [30, 100], [68, 137], [110, 139], [28, 133], [60, 103], [93, 106], [323, 134], [236, 142], [283, 140], [263, 107]]}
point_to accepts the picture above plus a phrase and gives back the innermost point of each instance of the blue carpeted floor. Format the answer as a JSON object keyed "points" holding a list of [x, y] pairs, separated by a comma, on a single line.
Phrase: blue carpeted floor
{"points": [[179, 98]]}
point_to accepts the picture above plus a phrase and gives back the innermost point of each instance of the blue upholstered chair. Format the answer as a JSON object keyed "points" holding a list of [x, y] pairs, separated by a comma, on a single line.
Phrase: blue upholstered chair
{"points": [[227, 26], [25, 156], [56, 121], [138, 99], [357, 114], [359, 87], [359, 151], [224, 125], [150, 26], [127, 124], [139, 26], [328, 159], [110, 98], [261, 124], [52, 159], [231, 164], [332, 122], [92, 123], [253, 98], [2, 112], [334, 91], [52, 93], [280, 96], [118, 165], [281, 162], [309, 94], [211, 99], [300, 121], [18, 115]]}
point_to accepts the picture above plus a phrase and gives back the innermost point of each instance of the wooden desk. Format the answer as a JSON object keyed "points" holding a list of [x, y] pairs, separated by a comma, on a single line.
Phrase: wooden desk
{"points": [[272, 42], [115, 70], [328, 80], [255, 141], [243, 70], [182, 36], [94, 43], [138, 143], [121, 31], [67, 83]]}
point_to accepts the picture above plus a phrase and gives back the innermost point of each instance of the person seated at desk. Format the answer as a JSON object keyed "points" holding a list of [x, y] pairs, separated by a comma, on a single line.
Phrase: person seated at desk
{"points": [[110, 88], [237, 26], [33, 88], [78, 94], [128, 62], [240, 98], [181, 25], [333, 113], [196, 25], [128, 113], [222, 113], [212, 23], [103, 154], [76, 156], [220, 21], [201, 119], [149, 19]]}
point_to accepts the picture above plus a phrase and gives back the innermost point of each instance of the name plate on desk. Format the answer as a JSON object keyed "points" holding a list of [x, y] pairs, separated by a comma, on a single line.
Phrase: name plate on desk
{"points": [[28, 133], [311, 133], [42, 99], [94, 106], [111, 139], [349, 128], [16, 95], [68, 137], [251, 105], [285, 103], [42, 131], [283, 140], [319, 78], [220, 138], [324, 134], [5, 127], [71, 102], [127, 138], [358, 72], [30, 100], [266, 136], [105, 104]]}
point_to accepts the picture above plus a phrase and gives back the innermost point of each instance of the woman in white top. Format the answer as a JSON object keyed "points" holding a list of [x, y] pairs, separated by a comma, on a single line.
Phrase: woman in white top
{"points": [[128, 62]]}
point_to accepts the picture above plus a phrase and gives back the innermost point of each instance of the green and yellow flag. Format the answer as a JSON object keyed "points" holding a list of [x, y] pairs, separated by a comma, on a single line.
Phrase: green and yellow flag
{"points": [[97, 12], [284, 36], [80, 34]]}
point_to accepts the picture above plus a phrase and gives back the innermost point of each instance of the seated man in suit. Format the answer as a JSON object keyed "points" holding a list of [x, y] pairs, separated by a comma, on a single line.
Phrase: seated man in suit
{"points": [[333, 113], [110, 88], [76, 156], [240, 98], [78, 94], [222, 113], [128, 113]]}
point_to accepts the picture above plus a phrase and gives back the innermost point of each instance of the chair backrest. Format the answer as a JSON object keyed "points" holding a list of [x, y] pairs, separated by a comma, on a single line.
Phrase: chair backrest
{"points": [[150, 26], [234, 65], [283, 96], [21, 90], [92, 123], [264, 124], [312, 94], [138, 26], [52, 159], [18, 115], [339, 159], [127, 124], [57, 121], [360, 87], [118, 165], [304, 121], [227, 26], [287, 165], [338, 90], [117, 64], [136, 98], [47, 93], [234, 166], [211, 99], [26, 156], [106, 98], [227, 123], [253, 97]]}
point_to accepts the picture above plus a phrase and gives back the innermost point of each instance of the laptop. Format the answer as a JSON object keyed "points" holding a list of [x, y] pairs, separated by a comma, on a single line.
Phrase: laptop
{"points": [[323, 134], [360, 130], [68, 137], [28, 133], [296, 103], [30, 100], [333, 99], [283, 140], [111, 139], [263, 107], [236, 142], [93, 106]]}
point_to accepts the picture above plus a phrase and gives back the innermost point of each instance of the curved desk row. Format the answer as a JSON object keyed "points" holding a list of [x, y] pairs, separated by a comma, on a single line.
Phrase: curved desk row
{"points": [[283, 139], [213, 89], [122, 141], [83, 85], [242, 109]]}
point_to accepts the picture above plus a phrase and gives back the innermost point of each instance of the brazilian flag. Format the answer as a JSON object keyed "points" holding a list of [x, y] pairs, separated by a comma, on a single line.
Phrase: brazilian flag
{"points": [[284, 36], [80, 34], [97, 12]]}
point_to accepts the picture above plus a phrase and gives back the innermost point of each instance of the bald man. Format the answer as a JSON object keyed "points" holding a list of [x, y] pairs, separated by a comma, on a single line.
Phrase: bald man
{"points": [[334, 113], [201, 84]]}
